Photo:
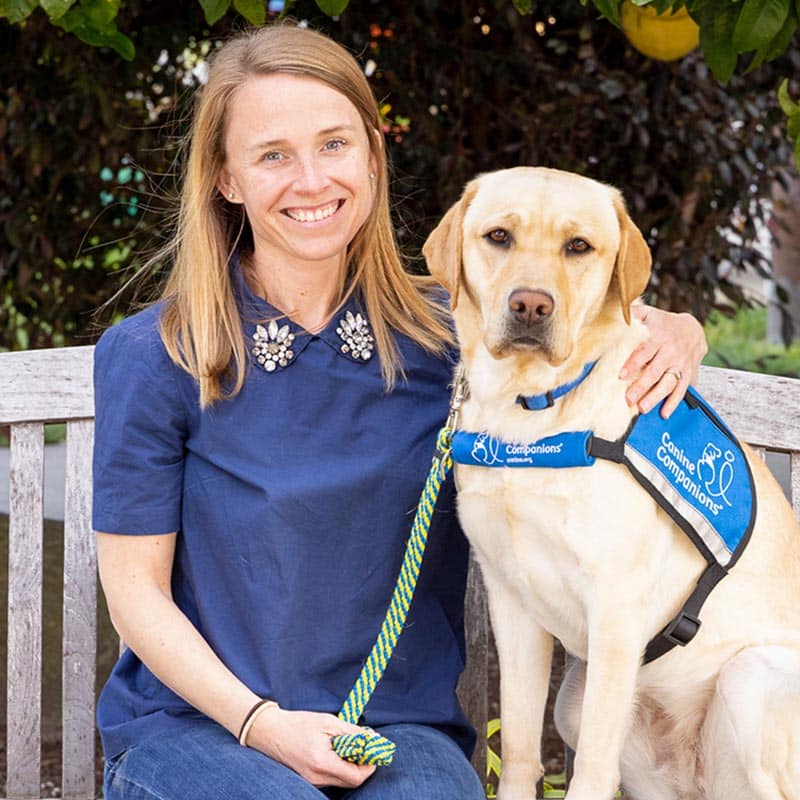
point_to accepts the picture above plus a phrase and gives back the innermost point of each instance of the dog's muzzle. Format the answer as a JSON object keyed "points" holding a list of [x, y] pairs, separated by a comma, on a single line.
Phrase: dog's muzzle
{"points": [[528, 318]]}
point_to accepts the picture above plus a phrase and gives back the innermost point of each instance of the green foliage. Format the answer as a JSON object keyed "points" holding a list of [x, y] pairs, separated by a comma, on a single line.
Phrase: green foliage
{"points": [[88, 140], [739, 342], [792, 111], [734, 34]]}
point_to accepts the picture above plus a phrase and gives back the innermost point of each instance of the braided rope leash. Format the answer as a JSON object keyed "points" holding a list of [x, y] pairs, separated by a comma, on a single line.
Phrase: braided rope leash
{"points": [[370, 747]]}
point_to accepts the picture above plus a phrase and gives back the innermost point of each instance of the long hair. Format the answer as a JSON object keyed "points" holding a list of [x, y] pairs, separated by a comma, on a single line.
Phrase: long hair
{"points": [[201, 325]]}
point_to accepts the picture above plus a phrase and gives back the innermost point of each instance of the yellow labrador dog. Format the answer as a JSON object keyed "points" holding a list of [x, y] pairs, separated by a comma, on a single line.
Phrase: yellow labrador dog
{"points": [[542, 267]]}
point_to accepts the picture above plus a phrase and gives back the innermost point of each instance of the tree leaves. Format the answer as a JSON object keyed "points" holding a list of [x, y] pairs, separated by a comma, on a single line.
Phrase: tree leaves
{"points": [[333, 8], [792, 111], [254, 11], [607, 8], [16, 10], [94, 22], [717, 23], [214, 10], [760, 21], [56, 8]]}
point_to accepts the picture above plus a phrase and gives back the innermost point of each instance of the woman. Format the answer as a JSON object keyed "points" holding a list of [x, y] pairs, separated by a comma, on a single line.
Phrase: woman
{"points": [[262, 434]]}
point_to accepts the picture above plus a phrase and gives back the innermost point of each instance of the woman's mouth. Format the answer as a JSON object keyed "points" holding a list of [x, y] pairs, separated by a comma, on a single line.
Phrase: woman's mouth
{"points": [[316, 214]]}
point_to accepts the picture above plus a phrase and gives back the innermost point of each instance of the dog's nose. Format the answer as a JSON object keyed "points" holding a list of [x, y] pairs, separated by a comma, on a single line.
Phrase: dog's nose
{"points": [[530, 306]]}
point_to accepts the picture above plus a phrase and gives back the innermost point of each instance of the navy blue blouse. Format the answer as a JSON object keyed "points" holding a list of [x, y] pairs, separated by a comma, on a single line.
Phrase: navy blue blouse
{"points": [[293, 502]]}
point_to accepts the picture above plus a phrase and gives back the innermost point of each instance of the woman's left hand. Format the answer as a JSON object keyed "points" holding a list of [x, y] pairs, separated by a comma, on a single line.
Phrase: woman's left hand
{"points": [[667, 362]]}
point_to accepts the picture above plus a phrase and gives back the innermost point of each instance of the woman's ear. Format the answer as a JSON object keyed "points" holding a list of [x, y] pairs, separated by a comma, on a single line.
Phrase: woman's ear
{"points": [[227, 188]]}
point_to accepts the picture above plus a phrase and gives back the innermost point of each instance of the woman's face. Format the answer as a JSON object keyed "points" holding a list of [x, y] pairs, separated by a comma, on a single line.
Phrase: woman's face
{"points": [[298, 157]]}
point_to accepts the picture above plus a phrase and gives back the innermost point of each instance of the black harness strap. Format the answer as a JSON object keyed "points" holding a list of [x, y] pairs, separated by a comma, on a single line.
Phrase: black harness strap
{"points": [[683, 628]]}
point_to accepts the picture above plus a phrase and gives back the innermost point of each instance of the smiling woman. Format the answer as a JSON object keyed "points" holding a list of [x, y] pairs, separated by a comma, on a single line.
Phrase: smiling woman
{"points": [[306, 184], [251, 509]]}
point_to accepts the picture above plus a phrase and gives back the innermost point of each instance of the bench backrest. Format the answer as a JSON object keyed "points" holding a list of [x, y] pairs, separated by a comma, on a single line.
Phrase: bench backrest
{"points": [[56, 385]]}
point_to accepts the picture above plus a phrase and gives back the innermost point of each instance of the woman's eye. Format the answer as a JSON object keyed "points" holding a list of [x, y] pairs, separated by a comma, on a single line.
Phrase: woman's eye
{"points": [[335, 144], [577, 247], [272, 155], [499, 236]]}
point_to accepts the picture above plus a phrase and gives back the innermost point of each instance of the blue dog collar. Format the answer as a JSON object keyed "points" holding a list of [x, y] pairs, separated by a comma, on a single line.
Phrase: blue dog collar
{"points": [[538, 402]]}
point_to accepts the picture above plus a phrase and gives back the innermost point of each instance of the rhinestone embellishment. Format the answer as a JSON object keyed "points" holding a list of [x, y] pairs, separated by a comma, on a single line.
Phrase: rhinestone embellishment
{"points": [[356, 336], [273, 346]]}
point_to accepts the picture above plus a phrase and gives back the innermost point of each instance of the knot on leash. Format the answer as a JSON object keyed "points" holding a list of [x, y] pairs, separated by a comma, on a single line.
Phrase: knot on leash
{"points": [[367, 747]]}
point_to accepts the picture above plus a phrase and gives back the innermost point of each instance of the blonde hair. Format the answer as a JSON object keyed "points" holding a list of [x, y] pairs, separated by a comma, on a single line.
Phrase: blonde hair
{"points": [[201, 325]]}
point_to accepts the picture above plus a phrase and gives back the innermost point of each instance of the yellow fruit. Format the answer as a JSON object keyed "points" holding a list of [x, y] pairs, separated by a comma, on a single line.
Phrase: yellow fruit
{"points": [[664, 37]]}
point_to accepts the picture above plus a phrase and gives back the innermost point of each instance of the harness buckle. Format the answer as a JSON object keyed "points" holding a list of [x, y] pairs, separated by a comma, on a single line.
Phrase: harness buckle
{"points": [[682, 629]]}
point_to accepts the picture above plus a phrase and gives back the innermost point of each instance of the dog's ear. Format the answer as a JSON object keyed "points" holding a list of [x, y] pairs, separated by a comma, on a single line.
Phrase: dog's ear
{"points": [[633, 259], [443, 248]]}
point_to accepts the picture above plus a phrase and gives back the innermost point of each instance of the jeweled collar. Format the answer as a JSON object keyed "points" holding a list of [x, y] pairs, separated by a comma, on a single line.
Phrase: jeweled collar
{"points": [[538, 402], [277, 341]]}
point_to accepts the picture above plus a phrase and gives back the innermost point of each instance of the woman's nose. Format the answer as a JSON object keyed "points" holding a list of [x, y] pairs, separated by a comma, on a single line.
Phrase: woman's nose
{"points": [[311, 176]]}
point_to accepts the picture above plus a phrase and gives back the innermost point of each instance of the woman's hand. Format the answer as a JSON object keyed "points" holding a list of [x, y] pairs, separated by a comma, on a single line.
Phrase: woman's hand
{"points": [[667, 362], [302, 741]]}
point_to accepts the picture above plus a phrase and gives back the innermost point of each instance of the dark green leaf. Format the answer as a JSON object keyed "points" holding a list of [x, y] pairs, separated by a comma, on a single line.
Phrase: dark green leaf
{"points": [[760, 21], [93, 25], [777, 47], [214, 9], [608, 9], [16, 10], [100, 12], [254, 11], [523, 6], [793, 126], [56, 8], [716, 32], [332, 7]]}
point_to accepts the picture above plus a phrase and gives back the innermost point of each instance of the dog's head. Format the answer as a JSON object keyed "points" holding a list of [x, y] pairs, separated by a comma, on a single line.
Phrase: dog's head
{"points": [[535, 254]]}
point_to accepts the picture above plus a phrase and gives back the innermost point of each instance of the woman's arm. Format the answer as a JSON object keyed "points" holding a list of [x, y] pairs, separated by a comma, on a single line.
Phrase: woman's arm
{"points": [[135, 572], [667, 362]]}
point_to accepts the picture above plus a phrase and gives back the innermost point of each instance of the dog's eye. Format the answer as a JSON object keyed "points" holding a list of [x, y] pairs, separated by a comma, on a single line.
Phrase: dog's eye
{"points": [[499, 236], [577, 247]]}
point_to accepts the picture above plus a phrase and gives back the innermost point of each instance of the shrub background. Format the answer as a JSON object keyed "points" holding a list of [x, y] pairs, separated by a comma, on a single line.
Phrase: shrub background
{"points": [[88, 141]]}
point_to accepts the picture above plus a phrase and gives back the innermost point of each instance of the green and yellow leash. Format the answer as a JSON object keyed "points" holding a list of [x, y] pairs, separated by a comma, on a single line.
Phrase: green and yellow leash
{"points": [[370, 747]]}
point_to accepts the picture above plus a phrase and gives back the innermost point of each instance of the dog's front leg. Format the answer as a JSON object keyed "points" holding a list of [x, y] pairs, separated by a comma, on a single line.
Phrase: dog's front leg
{"points": [[614, 654], [525, 652]]}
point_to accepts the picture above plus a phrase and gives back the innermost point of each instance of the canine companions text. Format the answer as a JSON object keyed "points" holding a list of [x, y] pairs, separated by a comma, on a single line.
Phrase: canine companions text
{"points": [[542, 267]]}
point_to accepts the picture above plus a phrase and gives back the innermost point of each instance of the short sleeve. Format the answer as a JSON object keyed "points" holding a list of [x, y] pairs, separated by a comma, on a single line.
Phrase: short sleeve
{"points": [[140, 431]]}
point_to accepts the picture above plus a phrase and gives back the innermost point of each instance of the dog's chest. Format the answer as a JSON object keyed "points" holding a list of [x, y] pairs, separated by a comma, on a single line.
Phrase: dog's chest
{"points": [[553, 536]]}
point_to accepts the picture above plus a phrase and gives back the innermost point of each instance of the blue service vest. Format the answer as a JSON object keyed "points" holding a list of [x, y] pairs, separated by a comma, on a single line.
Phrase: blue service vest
{"points": [[691, 464]]}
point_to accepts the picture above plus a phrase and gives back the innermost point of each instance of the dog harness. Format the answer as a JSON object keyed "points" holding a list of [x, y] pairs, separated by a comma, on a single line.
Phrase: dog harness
{"points": [[691, 464]]}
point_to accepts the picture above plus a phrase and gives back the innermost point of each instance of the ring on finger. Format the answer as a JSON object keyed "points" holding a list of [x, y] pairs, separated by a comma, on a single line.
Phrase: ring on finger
{"points": [[675, 372]]}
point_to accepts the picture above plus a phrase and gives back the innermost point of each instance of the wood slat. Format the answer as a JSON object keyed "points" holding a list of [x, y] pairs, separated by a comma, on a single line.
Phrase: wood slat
{"points": [[25, 551], [763, 410], [80, 618], [794, 482], [472, 688], [47, 385]]}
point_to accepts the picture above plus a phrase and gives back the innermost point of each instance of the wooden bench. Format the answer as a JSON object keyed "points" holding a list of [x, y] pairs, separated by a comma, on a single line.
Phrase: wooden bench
{"points": [[37, 387]]}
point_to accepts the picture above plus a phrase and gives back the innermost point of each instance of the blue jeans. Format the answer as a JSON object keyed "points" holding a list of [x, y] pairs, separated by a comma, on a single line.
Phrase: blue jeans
{"points": [[206, 763]]}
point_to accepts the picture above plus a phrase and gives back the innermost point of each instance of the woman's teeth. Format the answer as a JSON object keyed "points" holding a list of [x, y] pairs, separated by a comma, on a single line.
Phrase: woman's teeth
{"points": [[303, 215]]}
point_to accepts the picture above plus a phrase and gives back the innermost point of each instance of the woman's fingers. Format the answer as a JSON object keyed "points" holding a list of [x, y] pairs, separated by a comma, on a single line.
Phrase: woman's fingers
{"points": [[302, 741], [664, 365]]}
